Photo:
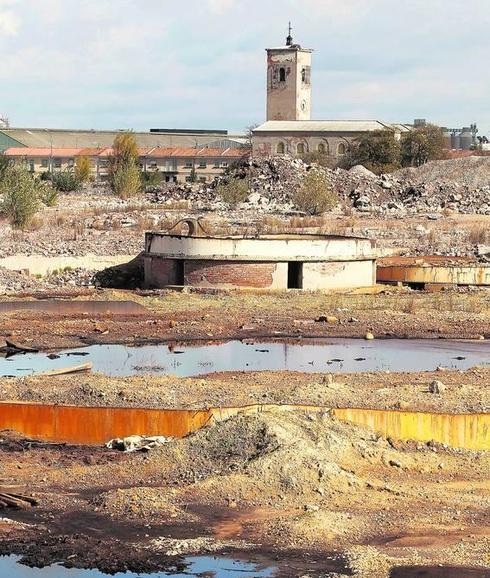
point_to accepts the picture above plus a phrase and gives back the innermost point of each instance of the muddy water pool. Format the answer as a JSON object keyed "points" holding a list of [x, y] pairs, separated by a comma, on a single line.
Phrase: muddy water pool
{"points": [[307, 355], [211, 566]]}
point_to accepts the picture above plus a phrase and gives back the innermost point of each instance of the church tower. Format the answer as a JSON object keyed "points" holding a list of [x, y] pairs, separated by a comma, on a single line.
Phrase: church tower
{"points": [[289, 81]]}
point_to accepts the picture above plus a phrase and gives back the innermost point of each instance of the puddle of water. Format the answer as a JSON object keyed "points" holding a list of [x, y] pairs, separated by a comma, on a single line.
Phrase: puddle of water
{"points": [[214, 567], [312, 355]]}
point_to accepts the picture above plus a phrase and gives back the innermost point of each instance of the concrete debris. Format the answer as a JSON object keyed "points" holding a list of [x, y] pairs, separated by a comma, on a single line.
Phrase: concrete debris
{"points": [[460, 185], [137, 443], [16, 281]]}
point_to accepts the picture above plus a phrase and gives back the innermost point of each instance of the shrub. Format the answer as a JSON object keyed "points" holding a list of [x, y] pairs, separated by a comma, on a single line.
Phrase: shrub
{"points": [[127, 181], [315, 195], [4, 164], [83, 169], [233, 192], [65, 181], [21, 197], [47, 194], [153, 179]]}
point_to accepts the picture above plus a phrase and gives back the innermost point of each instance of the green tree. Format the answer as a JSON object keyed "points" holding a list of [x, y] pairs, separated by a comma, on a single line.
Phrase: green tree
{"points": [[83, 169], [377, 150], [127, 181], [422, 144], [124, 171], [315, 195], [21, 196]]}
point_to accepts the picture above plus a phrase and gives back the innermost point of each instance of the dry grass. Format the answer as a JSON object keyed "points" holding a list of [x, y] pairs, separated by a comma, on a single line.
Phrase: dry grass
{"points": [[36, 223], [478, 235]]}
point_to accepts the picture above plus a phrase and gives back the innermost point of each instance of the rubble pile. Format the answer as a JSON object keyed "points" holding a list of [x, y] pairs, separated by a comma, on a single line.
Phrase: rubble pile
{"points": [[17, 281], [461, 185], [68, 277]]}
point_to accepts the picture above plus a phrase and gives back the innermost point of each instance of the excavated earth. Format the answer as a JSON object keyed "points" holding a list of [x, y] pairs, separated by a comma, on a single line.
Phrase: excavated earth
{"points": [[301, 491]]}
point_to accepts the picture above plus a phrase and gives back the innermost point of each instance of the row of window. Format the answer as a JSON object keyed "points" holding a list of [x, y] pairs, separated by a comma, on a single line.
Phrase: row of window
{"points": [[57, 163], [322, 148]]}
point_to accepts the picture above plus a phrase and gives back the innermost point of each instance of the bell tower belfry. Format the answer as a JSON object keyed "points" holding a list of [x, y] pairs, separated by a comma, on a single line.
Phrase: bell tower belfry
{"points": [[289, 81]]}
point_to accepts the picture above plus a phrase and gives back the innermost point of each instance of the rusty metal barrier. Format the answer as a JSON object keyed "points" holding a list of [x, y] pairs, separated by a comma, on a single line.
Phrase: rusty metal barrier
{"points": [[62, 307], [96, 425]]}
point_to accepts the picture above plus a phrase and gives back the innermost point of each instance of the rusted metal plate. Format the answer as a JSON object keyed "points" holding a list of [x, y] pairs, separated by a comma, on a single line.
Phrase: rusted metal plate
{"points": [[432, 270], [62, 307], [97, 425]]}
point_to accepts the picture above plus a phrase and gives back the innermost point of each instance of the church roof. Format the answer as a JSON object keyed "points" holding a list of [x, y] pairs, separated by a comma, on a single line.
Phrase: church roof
{"points": [[323, 126]]}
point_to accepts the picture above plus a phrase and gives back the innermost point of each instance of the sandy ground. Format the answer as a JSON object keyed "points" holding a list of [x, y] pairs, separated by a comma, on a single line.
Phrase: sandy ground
{"points": [[315, 496], [466, 391], [303, 487]]}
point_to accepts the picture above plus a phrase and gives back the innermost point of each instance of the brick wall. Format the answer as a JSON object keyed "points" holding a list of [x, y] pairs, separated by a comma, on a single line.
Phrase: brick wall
{"points": [[160, 272], [238, 274]]}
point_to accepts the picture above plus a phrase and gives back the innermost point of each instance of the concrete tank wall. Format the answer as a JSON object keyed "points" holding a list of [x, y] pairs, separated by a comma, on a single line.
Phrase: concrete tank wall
{"points": [[160, 272], [273, 248], [308, 262], [339, 274]]}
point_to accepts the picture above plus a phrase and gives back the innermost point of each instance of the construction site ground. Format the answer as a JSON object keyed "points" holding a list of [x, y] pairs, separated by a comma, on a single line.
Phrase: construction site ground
{"points": [[301, 491]]}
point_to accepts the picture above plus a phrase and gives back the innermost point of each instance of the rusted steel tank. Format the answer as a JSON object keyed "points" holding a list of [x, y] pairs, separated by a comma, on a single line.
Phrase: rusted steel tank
{"points": [[433, 271], [96, 425]]}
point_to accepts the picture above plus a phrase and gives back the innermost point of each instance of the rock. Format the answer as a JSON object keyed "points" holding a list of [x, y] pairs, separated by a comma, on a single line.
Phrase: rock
{"points": [[327, 319], [437, 386], [362, 171], [369, 336], [311, 508]]}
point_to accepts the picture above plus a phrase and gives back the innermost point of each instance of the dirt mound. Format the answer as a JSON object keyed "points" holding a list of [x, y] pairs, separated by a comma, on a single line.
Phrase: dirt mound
{"points": [[473, 172]]}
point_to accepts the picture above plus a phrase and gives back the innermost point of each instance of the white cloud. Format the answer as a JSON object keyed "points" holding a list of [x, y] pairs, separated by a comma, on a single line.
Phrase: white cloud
{"points": [[220, 6], [9, 23], [108, 63]]}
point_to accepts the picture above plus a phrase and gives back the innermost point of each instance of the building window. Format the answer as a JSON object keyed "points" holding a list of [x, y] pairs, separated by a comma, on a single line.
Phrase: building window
{"points": [[57, 163], [45, 163], [341, 149], [306, 74], [152, 164], [188, 179], [188, 165], [322, 148], [216, 164], [202, 179], [224, 165], [300, 149], [203, 165], [281, 149], [282, 74]]}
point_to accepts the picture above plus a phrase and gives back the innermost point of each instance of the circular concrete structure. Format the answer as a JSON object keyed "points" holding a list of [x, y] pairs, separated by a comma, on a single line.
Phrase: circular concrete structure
{"points": [[267, 262]]}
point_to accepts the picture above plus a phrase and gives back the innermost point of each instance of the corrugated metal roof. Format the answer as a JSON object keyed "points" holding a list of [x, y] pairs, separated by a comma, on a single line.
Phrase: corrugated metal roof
{"points": [[60, 138], [321, 126]]}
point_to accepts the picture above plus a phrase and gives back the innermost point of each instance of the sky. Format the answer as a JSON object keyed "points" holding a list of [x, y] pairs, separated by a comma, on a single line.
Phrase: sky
{"points": [[144, 64]]}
